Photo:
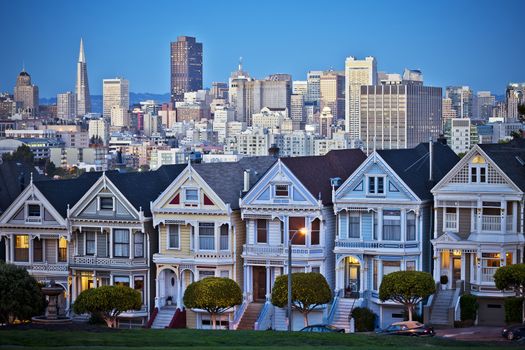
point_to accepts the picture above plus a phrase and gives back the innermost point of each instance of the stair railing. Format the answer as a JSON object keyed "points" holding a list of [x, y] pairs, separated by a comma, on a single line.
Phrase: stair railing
{"points": [[237, 316], [264, 321], [333, 307]]}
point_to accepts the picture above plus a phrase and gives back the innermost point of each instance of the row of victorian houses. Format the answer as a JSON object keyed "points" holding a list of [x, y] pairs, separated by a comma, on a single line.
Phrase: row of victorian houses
{"points": [[418, 209]]}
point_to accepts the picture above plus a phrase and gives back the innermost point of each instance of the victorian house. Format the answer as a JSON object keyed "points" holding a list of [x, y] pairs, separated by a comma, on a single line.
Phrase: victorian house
{"points": [[478, 227], [384, 213], [291, 203], [201, 233]]}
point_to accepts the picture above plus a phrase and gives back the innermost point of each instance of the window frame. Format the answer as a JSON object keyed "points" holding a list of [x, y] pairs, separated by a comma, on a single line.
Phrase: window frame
{"points": [[212, 226], [373, 179], [28, 210], [115, 244], [101, 205], [259, 229], [276, 190], [193, 201], [139, 244], [168, 236], [221, 235], [59, 255], [86, 240], [354, 215]]}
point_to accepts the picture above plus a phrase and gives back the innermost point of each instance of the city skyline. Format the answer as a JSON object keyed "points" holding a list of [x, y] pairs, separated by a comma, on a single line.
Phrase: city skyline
{"points": [[117, 43]]}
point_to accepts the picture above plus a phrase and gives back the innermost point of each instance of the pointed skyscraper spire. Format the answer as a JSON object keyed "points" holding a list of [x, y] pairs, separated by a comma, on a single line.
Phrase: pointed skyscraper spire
{"points": [[82, 86], [81, 55]]}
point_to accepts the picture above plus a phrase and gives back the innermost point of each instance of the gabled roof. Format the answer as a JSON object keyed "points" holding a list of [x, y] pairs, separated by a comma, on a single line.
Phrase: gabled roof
{"points": [[412, 166], [510, 158], [227, 179], [315, 172], [14, 177]]}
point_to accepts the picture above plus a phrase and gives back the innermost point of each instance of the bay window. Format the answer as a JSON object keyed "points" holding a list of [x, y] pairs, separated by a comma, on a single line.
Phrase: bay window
{"points": [[121, 243], [315, 233], [206, 236], [392, 225], [295, 224], [138, 244]]}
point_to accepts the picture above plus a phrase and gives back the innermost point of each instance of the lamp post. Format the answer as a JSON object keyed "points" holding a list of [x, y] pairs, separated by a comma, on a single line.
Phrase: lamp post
{"points": [[301, 231]]}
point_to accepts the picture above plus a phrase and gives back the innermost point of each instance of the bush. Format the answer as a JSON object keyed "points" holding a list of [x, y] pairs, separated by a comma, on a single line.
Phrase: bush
{"points": [[365, 319], [513, 310], [469, 306]]}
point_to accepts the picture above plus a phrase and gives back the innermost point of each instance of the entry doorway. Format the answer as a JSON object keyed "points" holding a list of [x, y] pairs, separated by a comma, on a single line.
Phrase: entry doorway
{"points": [[259, 283], [456, 270], [352, 277]]}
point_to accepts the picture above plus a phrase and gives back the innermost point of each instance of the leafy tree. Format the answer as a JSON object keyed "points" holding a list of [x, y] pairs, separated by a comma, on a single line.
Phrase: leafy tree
{"points": [[512, 277], [407, 288], [213, 294], [309, 290], [20, 295], [22, 154], [108, 301]]}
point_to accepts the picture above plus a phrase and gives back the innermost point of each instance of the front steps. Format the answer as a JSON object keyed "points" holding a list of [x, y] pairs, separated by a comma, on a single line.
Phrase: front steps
{"points": [[164, 317], [250, 316]]}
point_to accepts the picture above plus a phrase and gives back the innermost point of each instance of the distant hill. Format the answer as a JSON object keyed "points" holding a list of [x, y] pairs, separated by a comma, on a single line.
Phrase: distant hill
{"points": [[134, 97]]}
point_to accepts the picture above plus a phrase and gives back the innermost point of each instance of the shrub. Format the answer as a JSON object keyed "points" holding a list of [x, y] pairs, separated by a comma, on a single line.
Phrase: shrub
{"points": [[513, 310], [512, 277], [469, 306], [365, 319]]}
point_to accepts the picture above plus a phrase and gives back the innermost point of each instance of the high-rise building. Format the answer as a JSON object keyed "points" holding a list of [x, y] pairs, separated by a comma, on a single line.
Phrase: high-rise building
{"points": [[300, 87], [82, 87], [26, 94], [326, 120], [119, 117], [484, 103], [67, 106], [357, 73], [297, 113], [99, 129], [399, 116], [313, 81], [448, 112], [115, 93], [461, 134], [239, 74], [515, 95], [461, 97], [219, 90], [186, 67], [332, 93]]}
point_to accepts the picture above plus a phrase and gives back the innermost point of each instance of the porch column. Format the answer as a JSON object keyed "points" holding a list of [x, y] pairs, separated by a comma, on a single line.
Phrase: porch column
{"points": [[514, 216], [245, 281], [12, 247], [479, 212], [434, 234], [339, 278], [478, 266], [110, 233], [30, 250], [437, 266], [95, 282], [216, 236], [463, 266], [403, 218], [179, 290], [268, 282], [73, 285], [503, 216]]}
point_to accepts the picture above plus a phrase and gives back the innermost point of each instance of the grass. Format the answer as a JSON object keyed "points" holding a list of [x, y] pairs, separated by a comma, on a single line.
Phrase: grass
{"points": [[196, 339]]}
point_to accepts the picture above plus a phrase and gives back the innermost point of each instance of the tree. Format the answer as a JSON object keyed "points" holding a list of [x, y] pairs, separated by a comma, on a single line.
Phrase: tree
{"points": [[512, 277], [22, 154], [407, 288], [108, 302], [213, 294], [309, 290], [20, 295]]}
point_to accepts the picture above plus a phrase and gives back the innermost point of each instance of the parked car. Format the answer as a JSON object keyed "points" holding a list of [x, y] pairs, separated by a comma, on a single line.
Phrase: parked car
{"points": [[514, 332], [411, 328], [322, 328]]}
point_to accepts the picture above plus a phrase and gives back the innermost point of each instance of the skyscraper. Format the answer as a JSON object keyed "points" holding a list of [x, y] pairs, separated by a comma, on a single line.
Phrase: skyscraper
{"points": [[357, 73], [186, 67], [115, 93], [67, 106], [461, 97], [514, 96], [82, 87], [484, 103], [332, 89], [26, 94]]}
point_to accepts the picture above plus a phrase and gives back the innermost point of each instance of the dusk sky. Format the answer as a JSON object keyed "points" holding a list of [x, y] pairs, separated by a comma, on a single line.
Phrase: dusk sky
{"points": [[475, 43]]}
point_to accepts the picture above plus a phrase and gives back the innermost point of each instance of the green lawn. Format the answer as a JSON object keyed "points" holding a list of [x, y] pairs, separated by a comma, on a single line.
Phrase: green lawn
{"points": [[195, 339]]}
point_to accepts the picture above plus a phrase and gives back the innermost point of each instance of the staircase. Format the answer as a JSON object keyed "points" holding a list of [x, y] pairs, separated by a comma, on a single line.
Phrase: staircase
{"points": [[280, 321], [164, 317], [344, 309], [439, 314], [250, 316]]}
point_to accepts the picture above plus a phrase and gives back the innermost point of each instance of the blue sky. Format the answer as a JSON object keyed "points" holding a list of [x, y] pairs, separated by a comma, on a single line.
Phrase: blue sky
{"points": [[476, 43]]}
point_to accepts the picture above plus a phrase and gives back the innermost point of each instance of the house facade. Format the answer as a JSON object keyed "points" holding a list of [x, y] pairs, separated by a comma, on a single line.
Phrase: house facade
{"points": [[478, 223], [290, 203], [384, 225]]}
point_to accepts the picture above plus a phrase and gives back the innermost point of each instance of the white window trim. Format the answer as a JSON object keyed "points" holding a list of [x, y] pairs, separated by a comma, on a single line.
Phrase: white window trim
{"points": [[212, 270], [28, 203], [198, 237], [186, 201], [444, 220], [99, 204], [229, 243], [267, 232], [360, 238], [478, 173], [282, 184], [375, 177], [168, 229]]}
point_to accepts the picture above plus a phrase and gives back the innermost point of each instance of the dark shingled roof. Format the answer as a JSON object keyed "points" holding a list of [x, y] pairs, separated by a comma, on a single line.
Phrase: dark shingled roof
{"points": [[14, 177], [227, 179], [510, 158], [412, 166], [315, 172]]}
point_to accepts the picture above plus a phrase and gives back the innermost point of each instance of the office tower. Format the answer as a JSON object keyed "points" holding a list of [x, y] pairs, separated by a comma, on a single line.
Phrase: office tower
{"points": [[67, 106], [461, 97], [412, 77], [98, 129], [26, 94], [357, 73], [219, 90], [115, 93], [239, 74], [332, 93], [119, 117], [447, 111], [461, 134], [399, 116], [297, 113], [313, 81], [82, 87], [484, 103], [300, 87], [186, 67], [515, 95], [326, 120]]}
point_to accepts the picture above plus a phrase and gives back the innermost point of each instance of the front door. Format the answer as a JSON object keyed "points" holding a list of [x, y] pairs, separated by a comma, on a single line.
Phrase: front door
{"points": [[456, 270], [259, 283], [352, 279]]}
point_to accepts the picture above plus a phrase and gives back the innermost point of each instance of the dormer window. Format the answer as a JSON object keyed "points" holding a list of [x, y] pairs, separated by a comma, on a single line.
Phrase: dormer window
{"points": [[376, 185], [33, 210], [478, 170], [282, 190], [191, 195], [106, 203]]}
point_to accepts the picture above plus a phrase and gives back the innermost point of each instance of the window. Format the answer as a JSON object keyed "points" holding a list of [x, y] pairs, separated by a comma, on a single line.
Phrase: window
{"points": [[33, 210], [508, 258], [173, 236], [121, 243], [410, 265], [205, 274], [375, 274], [191, 195], [106, 203], [21, 248], [316, 269], [295, 224], [478, 170], [37, 249], [90, 243], [121, 281], [411, 227], [354, 225], [375, 233], [206, 236], [451, 219], [391, 225], [391, 266], [376, 185], [62, 250], [281, 190], [262, 230], [138, 285], [138, 244], [223, 240], [490, 262], [315, 232], [225, 274]]}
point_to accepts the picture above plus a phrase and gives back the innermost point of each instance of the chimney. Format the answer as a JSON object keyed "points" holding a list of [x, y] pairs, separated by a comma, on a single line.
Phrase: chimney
{"points": [[431, 159], [273, 150], [246, 186]]}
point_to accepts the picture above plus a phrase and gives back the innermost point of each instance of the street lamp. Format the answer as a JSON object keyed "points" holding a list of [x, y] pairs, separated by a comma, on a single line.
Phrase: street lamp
{"points": [[301, 231]]}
